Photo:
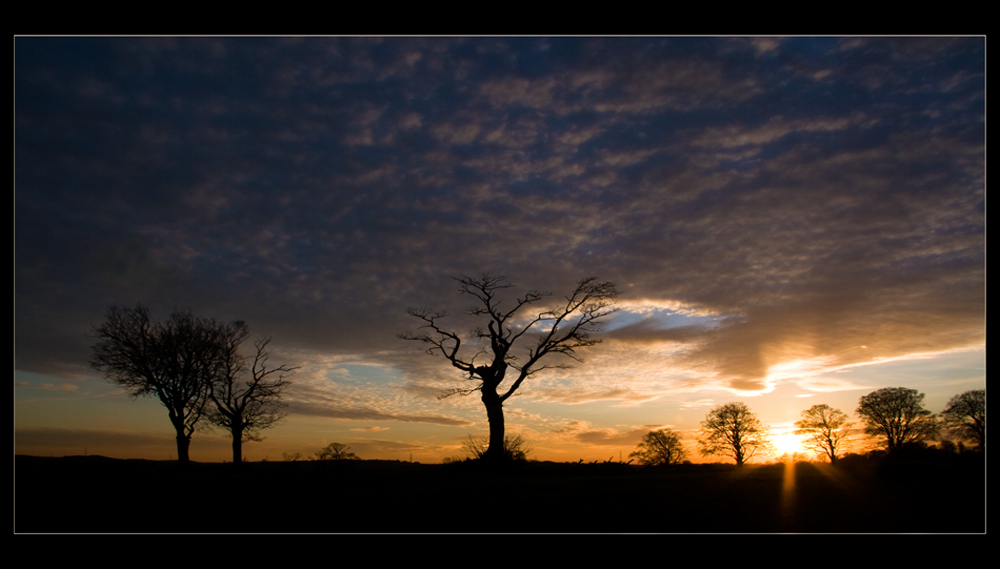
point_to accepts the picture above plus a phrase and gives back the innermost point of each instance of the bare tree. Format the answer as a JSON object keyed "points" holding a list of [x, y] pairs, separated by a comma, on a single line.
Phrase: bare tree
{"points": [[826, 430], [246, 393], [336, 451], [733, 430], [173, 361], [897, 415], [661, 447], [966, 414], [558, 330]]}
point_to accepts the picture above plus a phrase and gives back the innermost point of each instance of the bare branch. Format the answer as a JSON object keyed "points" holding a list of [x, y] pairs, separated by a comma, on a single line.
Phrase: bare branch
{"points": [[567, 328], [459, 391], [733, 430], [898, 416], [966, 416], [660, 448], [447, 343], [247, 393], [827, 430], [175, 361]]}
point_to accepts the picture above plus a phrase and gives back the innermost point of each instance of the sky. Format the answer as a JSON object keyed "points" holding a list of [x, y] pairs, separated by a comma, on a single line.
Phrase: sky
{"points": [[790, 221]]}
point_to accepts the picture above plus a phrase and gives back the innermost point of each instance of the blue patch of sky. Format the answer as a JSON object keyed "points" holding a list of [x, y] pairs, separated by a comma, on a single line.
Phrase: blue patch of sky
{"points": [[34, 378], [940, 376], [663, 318], [358, 374], [953, 367]]}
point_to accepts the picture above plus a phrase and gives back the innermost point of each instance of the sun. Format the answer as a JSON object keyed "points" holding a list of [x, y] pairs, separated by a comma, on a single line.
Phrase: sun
{"points": [[787, 443]]}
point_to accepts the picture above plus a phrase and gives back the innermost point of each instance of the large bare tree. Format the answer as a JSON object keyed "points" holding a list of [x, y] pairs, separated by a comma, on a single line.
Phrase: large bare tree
{"points": [[826, 430], [733, 430], [246, 393], [174, 361], [559, 328]]}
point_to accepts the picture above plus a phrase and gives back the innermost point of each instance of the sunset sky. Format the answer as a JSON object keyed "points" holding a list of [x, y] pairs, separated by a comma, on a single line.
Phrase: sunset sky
{"points": [[790, 221]]}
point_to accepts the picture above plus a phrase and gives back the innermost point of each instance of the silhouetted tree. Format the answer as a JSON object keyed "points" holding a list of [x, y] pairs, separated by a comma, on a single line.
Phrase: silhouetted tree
{"points": [[897, 415], [515, 447], [558, 330], [826, 430], [661, 447], [246, 393], [336, 451], [174, 361], [733, 430], [966, 414]]}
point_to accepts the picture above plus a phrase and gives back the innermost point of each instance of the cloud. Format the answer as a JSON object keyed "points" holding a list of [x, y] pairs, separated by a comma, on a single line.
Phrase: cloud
{"points": [[610, 437], [47, 386], [775, 129], [784, 200], [79, 439], [581, 433], [355, 414]]}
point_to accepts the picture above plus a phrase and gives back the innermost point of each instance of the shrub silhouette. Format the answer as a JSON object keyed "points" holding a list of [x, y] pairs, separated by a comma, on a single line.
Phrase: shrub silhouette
{"points": [[515, 447]]}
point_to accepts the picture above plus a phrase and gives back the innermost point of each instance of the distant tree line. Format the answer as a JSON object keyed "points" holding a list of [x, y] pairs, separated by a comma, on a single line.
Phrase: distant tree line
{"points": [[894, 416], [332, 451]]}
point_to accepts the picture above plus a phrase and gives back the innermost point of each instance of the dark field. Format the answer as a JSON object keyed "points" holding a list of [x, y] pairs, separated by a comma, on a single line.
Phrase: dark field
{"points": [[101, 495]]}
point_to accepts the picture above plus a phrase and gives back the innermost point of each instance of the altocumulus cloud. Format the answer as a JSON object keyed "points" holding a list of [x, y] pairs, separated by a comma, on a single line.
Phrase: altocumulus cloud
{"points": [[792, 198]]}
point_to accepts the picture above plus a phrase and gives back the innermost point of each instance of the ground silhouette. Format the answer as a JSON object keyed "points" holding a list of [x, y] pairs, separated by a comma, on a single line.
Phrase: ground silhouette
{"points": [[859, 495]]}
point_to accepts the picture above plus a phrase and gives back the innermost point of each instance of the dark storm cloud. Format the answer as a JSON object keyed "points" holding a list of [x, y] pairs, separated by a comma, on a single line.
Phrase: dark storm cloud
{"points": [[816, 193]]}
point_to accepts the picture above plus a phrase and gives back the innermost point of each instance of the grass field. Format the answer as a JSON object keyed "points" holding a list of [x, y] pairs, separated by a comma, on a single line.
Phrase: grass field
{"points": [[101, 495]]}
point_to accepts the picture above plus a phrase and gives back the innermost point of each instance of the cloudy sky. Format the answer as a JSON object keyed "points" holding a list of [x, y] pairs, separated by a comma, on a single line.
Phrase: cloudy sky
{"points": [[790, 221]]}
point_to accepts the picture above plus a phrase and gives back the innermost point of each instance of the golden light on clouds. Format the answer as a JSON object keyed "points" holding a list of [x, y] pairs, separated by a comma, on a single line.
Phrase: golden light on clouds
{"points": [[798, 368], [764, 251]]}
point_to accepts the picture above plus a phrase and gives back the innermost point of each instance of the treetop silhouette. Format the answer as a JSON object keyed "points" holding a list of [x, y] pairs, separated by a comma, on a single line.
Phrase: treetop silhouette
{"points": [[897, 415], [246, 393], [336, 451], [174, 361], [826, 430], [966, 414], [660, 448], [193, 367], [733, 430]]}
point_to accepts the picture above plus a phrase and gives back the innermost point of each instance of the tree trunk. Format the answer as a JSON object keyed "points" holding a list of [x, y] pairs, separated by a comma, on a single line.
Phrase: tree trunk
{"points": [[183, 443], [494, 412], [237, 447]]}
